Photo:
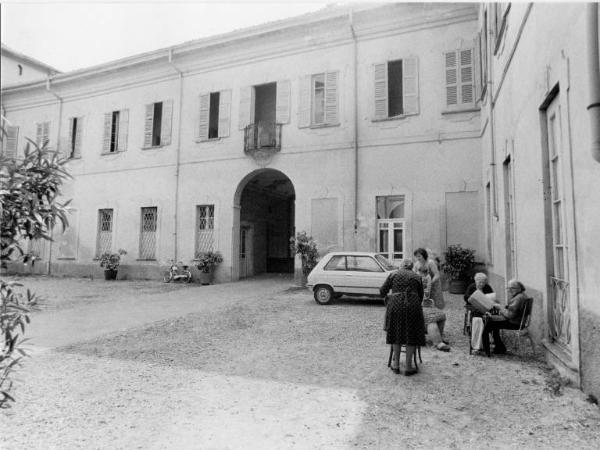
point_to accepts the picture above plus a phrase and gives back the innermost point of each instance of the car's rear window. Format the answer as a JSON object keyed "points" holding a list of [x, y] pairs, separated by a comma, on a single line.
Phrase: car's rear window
{"points": [[337, 262], [384, 262]]}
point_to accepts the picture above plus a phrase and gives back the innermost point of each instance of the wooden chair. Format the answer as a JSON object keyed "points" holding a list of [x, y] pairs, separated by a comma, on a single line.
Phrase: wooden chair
{"points": [[523, 331], [403, 349]]}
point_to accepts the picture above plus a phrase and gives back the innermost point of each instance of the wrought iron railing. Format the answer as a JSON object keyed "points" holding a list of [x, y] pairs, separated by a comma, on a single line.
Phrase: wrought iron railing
{"points": [[560, 311], [262, 136]]}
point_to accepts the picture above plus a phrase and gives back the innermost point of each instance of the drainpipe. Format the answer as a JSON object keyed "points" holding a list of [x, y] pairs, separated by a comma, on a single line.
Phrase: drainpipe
{"points": [[60, 107], [490, 88], [593, 78], [355, 87], [177, 152]]}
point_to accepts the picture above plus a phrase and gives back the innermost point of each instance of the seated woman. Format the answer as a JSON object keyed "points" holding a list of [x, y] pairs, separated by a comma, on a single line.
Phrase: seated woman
{"points": [[481, 283], [435, 319], [404, 323], [509, 318]]}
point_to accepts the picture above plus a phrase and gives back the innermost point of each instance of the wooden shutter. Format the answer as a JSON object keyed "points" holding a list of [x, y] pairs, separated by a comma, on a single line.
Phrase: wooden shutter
{"points": [[304, 101], [381, 91], [68, 145], [478, 67], [12, 135], [107, 129], [204, 102], [451, 79], [410, 85], [246, 106], [123, 129], [78, 138], [46, 134], [166, 123], [467, 80], [331, 98], [148, 122], [224, 113], [282, 108]]}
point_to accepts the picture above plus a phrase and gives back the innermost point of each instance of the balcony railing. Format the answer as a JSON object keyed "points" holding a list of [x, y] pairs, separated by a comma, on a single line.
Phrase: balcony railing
{"points": [[262, 136]]}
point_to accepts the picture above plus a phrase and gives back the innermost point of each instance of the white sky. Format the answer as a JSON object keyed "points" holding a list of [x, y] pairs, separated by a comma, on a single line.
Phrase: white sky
{"points": [[73, 35]]}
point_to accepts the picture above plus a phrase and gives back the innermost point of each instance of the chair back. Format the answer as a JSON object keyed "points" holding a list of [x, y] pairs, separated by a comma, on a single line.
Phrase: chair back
{"points": [[526, 316]]}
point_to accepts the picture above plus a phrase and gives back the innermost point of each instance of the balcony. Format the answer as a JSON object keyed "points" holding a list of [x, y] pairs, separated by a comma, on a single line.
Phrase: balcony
{"points": [[262, 137]]}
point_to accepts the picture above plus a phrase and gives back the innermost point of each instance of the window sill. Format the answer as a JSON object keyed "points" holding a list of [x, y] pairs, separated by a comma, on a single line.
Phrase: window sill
{"points": [[461, 110], [153, 147], [323, 125], [200, 141], [111, 153], [65, 259], [146, 259], [400, 117]]}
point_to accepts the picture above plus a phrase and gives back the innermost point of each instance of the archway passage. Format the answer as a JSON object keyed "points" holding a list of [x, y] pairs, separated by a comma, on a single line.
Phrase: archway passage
{"points": [[267, 201]]}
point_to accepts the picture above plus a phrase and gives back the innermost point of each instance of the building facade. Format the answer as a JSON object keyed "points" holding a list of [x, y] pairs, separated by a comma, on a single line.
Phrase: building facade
{"points": [[539, 172], [19, 68], [358, 126]]}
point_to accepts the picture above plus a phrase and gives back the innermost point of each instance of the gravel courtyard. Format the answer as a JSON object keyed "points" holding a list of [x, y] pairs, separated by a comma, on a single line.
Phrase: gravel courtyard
{"points": [[258, 364]]}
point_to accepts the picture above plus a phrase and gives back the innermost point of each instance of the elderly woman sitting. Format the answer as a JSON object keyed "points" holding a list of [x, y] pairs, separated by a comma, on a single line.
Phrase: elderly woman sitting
{"points": [[481, 283], [508, 318]]}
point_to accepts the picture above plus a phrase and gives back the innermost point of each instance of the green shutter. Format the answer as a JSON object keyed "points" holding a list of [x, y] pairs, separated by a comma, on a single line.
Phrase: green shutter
{"points": [[304, 101], [123, 130], [410, 85], [282, 108], [148, 122], [166, 123], [381, 91], [331, 98], [224, 113]]}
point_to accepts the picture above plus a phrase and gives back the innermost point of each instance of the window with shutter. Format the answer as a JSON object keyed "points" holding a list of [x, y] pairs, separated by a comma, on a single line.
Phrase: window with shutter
{"points": [[246, 106], [396, 92], [224, 113], [166, 124], [42, 134], [460, 79], [10, 145], [215, 115], [322, 106]]}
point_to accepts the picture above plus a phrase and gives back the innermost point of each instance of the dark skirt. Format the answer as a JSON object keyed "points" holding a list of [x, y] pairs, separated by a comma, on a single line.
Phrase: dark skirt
{"points": [[404, 322]]}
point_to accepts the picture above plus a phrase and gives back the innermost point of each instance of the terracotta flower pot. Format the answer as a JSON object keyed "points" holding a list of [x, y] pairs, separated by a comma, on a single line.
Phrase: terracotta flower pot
{"points": [[457, 287], [110, 274], [205, 277]]}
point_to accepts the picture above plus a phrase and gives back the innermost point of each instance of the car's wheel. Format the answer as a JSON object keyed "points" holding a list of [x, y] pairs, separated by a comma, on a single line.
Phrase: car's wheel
{"points": [[323, 294], [188, 277]]}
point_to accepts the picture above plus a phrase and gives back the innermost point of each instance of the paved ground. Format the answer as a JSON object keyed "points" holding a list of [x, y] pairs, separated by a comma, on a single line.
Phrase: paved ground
{"points": [[256, 364]]}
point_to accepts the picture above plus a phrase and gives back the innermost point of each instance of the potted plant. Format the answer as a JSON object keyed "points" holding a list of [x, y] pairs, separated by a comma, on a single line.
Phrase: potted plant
{"points": [[206, 262], [111, 262], [458, 264], [306, 247]]}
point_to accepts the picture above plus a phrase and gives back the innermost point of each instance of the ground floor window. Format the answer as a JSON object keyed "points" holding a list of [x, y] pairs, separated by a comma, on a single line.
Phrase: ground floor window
{"points": [[105, 222], [205, 228], [391, 226], [148, 233]]}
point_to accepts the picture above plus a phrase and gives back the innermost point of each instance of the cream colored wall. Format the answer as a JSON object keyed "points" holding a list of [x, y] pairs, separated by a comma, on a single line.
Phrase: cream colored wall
{"points": [[10, 71]]}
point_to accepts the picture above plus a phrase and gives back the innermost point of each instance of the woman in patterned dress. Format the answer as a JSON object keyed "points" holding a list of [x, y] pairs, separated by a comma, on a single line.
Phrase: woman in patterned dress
{"points": [[404, 322], [423, 260]]}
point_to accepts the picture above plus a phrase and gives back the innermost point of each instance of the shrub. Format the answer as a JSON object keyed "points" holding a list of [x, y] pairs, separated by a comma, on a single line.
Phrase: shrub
{"points": [[306, 247], [459, 261], [206, 261]]}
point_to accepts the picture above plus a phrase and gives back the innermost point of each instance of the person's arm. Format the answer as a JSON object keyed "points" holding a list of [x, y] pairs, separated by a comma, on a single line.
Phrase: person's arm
{"points": [[514, 307], [434, 270], [386, 286], [470, 289]]}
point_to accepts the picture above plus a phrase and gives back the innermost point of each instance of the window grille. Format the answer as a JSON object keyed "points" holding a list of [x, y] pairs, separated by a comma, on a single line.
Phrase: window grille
{"points": [[205, 227], [104, 243], [148, 233]]}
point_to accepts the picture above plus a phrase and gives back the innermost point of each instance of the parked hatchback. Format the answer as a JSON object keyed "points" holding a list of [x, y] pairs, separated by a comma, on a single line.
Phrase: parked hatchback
{"points": [[348, 273]]}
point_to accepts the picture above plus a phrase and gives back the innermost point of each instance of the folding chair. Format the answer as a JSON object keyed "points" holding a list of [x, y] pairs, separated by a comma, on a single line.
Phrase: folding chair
{"points": [[467, 320], [523, 330]]}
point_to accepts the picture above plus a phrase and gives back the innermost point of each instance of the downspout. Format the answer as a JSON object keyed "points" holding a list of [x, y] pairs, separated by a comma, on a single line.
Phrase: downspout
{"points": [[178, 154], [490, 87], [355, 72], [60, 107], [593, 78]]}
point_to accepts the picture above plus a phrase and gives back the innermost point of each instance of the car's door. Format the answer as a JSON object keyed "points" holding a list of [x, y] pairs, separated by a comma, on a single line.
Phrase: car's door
{"points": [[334, 272], [364, 275]]}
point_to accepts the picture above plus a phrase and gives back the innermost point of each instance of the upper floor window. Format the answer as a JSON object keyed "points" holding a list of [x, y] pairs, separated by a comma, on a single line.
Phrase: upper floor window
{"points": [[396, 88], [157, 125], [42, 133], [10, 143], [460, 80], [318, 100], [20, 68], [116, 124], [75, 132], [215, 111]]}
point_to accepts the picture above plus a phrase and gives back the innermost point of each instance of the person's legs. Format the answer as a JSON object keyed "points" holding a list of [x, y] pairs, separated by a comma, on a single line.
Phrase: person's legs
{"points": [[433, 331], [395, 357], [410, 352], [485, 337]]}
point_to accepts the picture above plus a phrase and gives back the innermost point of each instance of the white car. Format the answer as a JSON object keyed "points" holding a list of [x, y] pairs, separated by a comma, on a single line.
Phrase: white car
{"points": [[348, 273]]}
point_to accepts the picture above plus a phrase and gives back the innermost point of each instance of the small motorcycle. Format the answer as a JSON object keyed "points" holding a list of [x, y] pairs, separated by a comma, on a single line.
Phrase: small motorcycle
{"points": [[178, 272]]}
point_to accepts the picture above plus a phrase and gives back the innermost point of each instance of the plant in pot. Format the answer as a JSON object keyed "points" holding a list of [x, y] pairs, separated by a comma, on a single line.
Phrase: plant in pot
{"points": [[111, 262], [306, 247], [458, 265], [206, 263]]}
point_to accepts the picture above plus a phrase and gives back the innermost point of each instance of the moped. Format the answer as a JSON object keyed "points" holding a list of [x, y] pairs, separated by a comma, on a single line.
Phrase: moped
{"points": [[177, 272]]}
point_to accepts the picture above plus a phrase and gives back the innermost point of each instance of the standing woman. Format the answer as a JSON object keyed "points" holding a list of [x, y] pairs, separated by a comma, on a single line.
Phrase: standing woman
{"points": [[423, 261], [404, 323]]}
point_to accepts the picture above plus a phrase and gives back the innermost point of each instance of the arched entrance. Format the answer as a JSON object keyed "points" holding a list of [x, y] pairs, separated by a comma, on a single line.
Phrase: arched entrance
{"points": [[263, 223]]}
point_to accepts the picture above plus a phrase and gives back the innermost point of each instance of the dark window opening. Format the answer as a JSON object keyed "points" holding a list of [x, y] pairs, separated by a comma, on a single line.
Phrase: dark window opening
{"points": [[213, 124], [20, 69], [395, 88], [73, 137], [114, 132], [156, 125]]}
